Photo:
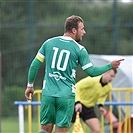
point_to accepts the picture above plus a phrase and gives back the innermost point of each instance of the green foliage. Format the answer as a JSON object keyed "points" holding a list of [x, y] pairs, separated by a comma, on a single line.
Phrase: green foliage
{"points": [[9, 95]]}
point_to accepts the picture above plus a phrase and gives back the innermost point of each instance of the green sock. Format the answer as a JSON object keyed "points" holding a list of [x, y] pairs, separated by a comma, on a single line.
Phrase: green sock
{"points": [[42, 132]]}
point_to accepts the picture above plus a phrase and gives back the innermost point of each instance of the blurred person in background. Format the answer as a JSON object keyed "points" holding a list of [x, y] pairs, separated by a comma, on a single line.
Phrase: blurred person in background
{"points": [[62, 55], [90, 91]]}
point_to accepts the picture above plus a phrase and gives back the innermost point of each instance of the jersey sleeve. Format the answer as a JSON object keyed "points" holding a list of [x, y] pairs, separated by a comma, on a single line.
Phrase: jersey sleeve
{"points": [[88, 67], [36, 63], [102, 99], [84, 59], [77, 98], [104, 94], [97, 70]]}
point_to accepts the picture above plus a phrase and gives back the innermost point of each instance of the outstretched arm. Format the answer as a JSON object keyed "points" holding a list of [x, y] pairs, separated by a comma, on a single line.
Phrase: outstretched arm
{"points": [[92, 70], [98, 70]]}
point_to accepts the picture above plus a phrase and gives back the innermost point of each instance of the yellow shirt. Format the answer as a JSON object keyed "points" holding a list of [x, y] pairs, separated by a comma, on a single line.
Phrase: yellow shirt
{"points": [[89, 91]]}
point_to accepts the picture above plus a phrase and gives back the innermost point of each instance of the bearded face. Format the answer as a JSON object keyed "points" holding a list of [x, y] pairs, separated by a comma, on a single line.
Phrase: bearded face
{"points": [[79, 32]]}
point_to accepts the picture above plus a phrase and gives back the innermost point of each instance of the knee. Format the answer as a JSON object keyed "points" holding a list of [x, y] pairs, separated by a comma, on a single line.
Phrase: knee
{"points": [[47, 128]]}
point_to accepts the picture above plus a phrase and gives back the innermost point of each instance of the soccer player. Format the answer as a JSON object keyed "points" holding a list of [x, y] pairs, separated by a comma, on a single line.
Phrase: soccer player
{"points": [[62, 55], [90, 91]]}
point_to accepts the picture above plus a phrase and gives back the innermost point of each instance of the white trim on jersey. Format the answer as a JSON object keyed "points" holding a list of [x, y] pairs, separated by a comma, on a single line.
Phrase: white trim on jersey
{"points": [[87, 66], [69, 38], [65, 37]]}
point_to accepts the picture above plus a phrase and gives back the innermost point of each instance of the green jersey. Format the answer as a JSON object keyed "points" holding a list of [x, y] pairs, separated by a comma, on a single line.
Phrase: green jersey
{"points": [[62, 56]]}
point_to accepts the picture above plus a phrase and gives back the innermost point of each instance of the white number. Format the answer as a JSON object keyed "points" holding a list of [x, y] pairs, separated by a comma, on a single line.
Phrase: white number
{"points": [[67, 54], [54, 57]]}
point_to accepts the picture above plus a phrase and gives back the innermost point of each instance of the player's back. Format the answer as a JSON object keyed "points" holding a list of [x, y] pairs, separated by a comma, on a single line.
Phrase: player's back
{"points": [[62, 58]]}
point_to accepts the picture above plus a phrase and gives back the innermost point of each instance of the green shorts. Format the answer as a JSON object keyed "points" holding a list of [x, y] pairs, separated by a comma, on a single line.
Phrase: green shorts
{"points": [[57, 110]]}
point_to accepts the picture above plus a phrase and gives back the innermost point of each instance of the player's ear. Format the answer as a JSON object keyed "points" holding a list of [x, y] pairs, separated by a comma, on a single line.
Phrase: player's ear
{"points": [[74, 30]]}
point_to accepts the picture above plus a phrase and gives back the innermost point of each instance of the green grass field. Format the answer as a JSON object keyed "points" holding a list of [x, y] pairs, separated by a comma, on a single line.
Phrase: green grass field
{"points": [[11, 125]]}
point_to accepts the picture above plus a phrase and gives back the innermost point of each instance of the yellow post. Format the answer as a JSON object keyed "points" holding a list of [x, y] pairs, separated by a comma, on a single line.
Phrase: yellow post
{"points": [[110, 108], [38, 92], [127, 122], [29, 118], [119, 107], [127, 125]]}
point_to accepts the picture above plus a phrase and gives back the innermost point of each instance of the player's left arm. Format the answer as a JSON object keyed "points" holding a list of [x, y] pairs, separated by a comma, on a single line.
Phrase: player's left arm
{"points": [[88, 66]]}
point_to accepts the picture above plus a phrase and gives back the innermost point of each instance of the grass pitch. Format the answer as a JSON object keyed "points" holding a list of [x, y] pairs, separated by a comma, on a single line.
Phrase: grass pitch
{"points": [[11, 125]]}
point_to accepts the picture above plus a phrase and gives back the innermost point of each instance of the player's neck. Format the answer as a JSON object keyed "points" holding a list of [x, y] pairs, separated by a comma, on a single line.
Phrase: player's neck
{"points": [[69, 35]]}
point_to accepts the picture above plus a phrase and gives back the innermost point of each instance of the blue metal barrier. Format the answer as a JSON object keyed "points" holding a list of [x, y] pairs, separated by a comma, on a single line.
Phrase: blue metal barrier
{"points": [[21, 105], [105, 103]]}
